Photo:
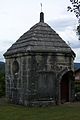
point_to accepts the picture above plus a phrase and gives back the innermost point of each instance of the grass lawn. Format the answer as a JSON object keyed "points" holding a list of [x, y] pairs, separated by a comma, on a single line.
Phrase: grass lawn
{"points": [[62, 112]]}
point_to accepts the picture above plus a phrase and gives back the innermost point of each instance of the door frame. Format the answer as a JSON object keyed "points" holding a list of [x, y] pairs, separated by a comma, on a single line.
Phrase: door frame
{"points": [[70, 72]]}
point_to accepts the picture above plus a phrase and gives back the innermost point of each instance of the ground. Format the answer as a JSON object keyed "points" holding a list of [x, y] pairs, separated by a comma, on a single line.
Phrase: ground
{"points": [[68, 111]]}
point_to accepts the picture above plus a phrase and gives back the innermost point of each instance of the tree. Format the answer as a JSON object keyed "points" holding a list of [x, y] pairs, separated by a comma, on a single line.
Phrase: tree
{"points": [[76, 9], [2, 84]]}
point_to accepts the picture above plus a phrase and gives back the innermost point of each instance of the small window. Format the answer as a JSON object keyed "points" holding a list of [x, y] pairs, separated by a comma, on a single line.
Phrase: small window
{"points": [[15, 67]]}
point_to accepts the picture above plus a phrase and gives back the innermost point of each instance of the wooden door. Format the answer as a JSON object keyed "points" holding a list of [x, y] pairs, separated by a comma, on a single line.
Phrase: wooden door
{"points": [[65, 89]]}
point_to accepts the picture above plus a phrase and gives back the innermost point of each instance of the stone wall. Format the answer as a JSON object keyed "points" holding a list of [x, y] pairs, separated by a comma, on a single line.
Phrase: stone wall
{"points": [[37, 78]]}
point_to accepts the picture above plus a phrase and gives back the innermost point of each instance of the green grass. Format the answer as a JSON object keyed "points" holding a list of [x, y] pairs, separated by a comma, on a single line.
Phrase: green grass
{"points": [[62, 112]]}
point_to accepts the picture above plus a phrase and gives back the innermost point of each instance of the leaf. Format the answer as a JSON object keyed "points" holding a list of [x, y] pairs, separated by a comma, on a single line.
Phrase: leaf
{"points": [[68, 8], [75, 1], [71, 0], [77, 16], [71, 10], [74, 5]]}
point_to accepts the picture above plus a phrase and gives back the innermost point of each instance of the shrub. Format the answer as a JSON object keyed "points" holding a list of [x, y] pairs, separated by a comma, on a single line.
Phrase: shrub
{"points": [[2, 84]]}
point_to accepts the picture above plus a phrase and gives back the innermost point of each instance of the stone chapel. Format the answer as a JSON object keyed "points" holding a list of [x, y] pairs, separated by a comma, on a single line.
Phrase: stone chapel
{"points": [[39, 68]]}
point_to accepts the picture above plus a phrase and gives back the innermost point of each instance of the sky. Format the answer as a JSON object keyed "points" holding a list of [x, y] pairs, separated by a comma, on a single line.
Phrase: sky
{"points": [[18, 16]]}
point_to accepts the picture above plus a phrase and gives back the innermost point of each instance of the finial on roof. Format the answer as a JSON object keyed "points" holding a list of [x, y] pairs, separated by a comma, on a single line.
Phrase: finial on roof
{"points": [[41, 7], [41, 15]]}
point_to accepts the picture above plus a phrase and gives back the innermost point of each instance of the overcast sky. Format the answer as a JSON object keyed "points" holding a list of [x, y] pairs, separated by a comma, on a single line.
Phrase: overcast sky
{"points": [[17, 16]]}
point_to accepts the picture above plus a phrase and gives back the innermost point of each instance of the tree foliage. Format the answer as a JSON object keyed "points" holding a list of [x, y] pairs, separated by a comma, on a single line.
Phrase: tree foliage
{"points": [[2, 84], [76, 9]]}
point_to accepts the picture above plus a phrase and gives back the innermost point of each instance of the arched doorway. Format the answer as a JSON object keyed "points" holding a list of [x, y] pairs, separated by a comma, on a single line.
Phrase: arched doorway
{"points": [[65, 86]]}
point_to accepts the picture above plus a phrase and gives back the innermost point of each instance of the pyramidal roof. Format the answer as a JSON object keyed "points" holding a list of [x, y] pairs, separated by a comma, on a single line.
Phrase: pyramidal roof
{"points": [[40, 38]]}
